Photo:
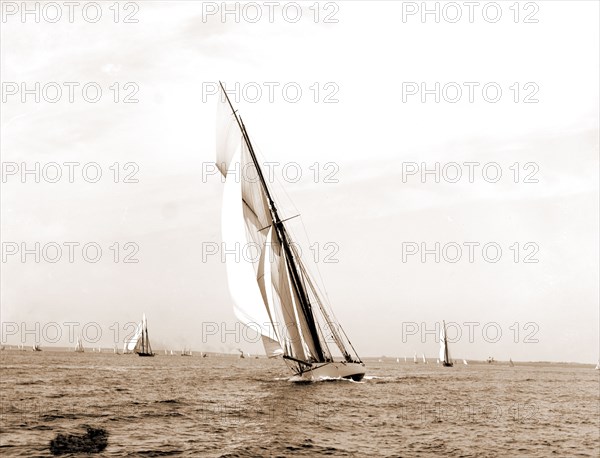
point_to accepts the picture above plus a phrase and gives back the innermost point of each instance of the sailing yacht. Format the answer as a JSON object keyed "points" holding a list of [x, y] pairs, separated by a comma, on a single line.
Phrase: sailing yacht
{"points": [[79, 346], [140, 342], [444, 352], [424, 359], [510, 362], [274, 293], [465, 362]]}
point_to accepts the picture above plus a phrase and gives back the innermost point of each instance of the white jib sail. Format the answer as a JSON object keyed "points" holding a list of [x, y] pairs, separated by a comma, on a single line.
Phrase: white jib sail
{"points": [[131, 343]]}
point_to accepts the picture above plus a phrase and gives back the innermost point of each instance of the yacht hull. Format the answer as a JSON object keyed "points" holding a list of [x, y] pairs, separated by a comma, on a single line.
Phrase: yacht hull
{"points": [[354, 371]]}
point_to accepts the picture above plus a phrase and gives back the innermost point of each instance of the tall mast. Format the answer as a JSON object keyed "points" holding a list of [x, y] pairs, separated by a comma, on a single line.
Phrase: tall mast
{"points": [[283, 240], [445, 344]]}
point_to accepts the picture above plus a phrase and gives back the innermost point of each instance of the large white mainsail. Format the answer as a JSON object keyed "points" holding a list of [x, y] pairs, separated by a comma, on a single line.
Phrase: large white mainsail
{"points": [[272, 291]]}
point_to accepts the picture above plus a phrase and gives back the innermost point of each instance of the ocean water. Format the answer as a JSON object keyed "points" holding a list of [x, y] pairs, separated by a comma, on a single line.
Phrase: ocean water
{"points": [[231, 407]]}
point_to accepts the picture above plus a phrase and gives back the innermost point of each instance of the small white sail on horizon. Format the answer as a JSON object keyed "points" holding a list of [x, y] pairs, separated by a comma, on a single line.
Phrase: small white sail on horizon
{"points": [[79, 346], [415, 359], [465, 362], [424, 359]]}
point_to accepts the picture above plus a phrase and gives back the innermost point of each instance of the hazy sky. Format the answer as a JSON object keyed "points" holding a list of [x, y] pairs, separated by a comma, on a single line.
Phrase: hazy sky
{"points": [[369, 136]]}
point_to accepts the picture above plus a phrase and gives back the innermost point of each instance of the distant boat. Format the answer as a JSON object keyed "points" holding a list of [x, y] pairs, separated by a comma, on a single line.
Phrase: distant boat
{"points": [[277, 290], [490, 360], [205, 355], [140, 342], [171, 352], [444, 351], [241, 353], [424, 359], [510, 362], [116, 350], [166, 353], [415, 359], [36, 347], [598, 366], [186, 352], [465, 362], [397, 360], [405, 359], [437, 361], [79, 346]]}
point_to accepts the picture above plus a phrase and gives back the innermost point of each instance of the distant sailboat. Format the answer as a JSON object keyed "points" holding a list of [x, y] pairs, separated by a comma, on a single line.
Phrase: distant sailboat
{"points": [[79, 346], [465, 362], [276, 290], [36, 347], [397, 360], [186, 352], [415, 359], [140, 342], [405, 359], [171, 352], [598, 366], [424, 359], [444, 352], [116, 350], [510, 362], [438, 361], [241, 353]]}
